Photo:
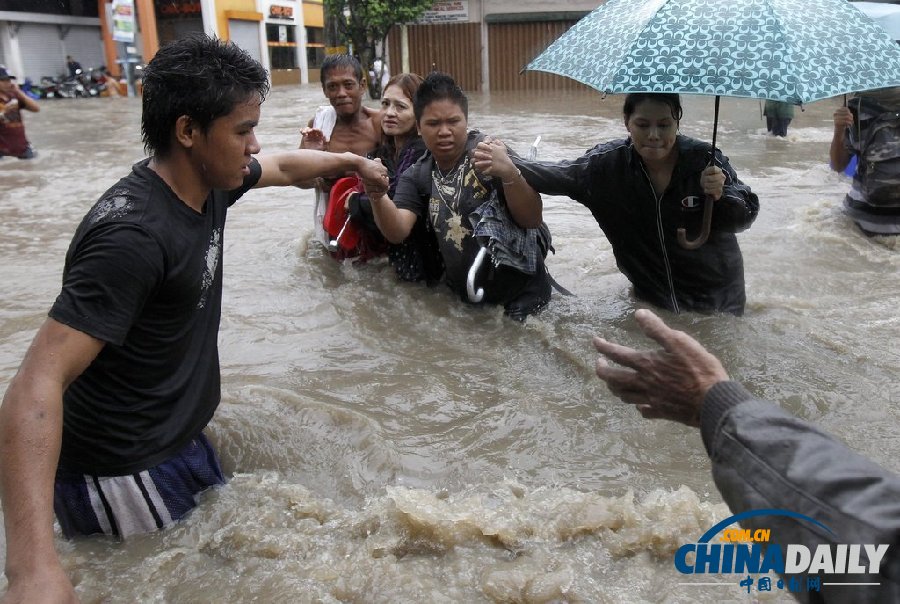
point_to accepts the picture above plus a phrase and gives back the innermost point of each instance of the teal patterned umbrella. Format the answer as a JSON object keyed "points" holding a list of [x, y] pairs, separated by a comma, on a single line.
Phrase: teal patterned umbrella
{"points": [[796, 51]]}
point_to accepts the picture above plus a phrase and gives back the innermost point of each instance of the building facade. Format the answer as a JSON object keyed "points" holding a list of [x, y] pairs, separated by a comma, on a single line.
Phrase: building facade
{"points": [[286, 36], [485, 44], [36, 37]]}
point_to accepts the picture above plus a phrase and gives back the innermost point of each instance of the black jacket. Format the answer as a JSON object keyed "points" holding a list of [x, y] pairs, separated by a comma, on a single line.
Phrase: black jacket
{"points": [[610, 180]]}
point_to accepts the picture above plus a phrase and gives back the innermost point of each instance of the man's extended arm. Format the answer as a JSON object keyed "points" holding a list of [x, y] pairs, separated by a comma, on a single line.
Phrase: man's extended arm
{"points": [[295, 167], [763, 457], [30, 437]]}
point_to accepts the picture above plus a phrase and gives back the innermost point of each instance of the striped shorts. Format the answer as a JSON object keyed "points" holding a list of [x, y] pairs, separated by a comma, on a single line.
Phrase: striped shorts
{"points": [[143, 502]]}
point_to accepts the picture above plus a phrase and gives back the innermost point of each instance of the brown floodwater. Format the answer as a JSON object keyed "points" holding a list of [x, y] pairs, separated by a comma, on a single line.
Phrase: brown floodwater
{"points": [[386, 443]]}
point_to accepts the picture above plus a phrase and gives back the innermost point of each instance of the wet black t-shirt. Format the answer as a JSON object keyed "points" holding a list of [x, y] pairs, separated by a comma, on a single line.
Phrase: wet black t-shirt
{"points": [[143, 274]]}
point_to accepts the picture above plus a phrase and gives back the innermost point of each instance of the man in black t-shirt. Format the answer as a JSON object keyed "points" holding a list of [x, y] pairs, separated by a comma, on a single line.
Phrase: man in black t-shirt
{"points": [[104, 419]]}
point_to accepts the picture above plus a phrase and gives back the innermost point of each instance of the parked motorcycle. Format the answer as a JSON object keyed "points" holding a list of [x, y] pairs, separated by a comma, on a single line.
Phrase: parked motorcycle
{"points": [[49, 88]]}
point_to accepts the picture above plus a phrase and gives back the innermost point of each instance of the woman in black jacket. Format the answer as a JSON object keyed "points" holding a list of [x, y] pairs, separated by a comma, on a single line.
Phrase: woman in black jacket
{"points": [[644, 188]]}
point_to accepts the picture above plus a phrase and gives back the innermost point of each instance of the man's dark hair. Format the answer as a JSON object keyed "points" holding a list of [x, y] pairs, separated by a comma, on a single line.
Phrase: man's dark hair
{"points": [[439, 87], [200, 77], [333, 62]]}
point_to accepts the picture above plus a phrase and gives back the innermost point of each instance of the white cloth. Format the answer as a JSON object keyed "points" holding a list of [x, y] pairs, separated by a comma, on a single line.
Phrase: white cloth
{"points": [[324, 120]]}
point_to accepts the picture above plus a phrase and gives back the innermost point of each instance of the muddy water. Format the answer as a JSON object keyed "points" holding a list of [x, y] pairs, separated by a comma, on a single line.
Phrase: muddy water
{"points": [[387, 444]]}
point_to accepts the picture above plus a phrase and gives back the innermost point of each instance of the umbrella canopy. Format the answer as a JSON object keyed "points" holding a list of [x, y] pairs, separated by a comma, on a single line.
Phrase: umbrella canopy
{"points": [[797, 51], [887, 16]]}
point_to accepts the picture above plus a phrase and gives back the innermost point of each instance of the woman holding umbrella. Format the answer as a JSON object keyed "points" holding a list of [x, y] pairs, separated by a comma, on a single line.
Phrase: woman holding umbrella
{"points": [[643, 189]]}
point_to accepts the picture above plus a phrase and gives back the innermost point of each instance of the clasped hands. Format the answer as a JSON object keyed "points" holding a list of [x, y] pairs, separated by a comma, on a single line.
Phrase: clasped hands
{"points": [[491, 158], [374, 176]]}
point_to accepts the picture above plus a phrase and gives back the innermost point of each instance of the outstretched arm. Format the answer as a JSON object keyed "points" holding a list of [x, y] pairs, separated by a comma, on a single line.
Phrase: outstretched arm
{"points": [[762, 456], [524, 203], [30, 437], [394, 223], [670, 383], [296, 167]]}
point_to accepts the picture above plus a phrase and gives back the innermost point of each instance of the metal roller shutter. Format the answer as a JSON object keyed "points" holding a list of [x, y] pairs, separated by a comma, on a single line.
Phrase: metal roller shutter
{"points": [[246, 35], [85, 46], [42, 51]]}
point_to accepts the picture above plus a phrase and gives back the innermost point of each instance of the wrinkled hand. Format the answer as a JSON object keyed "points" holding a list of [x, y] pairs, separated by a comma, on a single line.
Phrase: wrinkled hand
{"points": [[712, 181], [491, 158], [663, 384], [313, 138], [375, 178], [843, 119]]}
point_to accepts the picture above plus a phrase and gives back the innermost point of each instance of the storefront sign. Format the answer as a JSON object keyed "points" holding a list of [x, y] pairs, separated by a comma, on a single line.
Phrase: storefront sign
{"points": [[179, 8], [279, 11], [123, 20], [447, 11]]}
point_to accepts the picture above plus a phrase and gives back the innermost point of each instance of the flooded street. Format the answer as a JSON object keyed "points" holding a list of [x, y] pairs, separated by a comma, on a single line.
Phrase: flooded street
{"points": [[386, 443]]}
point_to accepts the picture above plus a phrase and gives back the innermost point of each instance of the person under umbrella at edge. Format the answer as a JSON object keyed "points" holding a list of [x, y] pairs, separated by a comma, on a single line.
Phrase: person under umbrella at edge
{"points": [[642, 189], [450, 183]]}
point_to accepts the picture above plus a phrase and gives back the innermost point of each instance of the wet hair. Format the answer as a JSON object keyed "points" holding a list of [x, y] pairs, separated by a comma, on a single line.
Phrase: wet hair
{"points": [[407, 82], [439, 86], [201, 77], [636, 98], [334, 62]]}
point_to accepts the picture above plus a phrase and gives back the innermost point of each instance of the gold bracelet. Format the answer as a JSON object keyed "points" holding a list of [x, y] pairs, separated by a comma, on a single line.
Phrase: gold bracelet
{"points": [[518, 175]]}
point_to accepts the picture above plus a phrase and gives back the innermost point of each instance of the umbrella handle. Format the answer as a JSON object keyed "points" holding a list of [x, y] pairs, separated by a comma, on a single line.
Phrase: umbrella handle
{"points": [[334, 244], [475, 296], [708, 201], [704, 232]]}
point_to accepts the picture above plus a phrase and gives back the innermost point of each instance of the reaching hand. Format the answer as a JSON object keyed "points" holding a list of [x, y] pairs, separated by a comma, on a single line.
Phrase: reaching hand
{"points": [[313, 138], [712, 180], [670, 383]]}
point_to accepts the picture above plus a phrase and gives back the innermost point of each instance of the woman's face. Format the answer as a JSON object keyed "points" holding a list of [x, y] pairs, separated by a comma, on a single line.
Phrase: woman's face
{"points": [[397, 118], [443, 128], [652, 129]]}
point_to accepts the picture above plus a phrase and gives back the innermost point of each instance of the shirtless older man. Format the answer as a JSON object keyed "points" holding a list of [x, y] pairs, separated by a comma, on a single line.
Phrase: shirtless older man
{"points": [[343, 125], [351, 126]]}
